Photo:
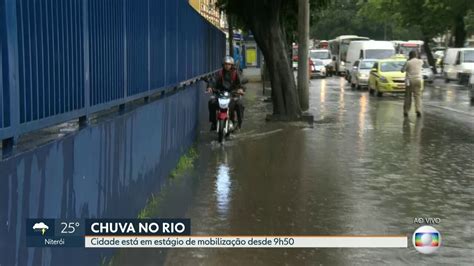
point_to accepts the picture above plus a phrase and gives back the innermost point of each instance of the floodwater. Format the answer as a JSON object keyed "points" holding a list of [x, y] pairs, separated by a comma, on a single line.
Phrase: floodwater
{"points": [[362, 169]]}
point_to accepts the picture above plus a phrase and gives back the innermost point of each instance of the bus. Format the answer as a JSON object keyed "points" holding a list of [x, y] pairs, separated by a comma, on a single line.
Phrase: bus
{"points": [[338, 48], [405, 47]]}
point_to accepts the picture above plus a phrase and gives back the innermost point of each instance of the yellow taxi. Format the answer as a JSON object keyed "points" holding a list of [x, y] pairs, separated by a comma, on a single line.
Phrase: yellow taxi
{"points": [[386, 76]]}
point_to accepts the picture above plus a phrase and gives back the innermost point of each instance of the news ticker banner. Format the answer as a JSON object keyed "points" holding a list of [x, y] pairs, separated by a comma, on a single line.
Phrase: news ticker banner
{"points": [[247, 242], [176, 233]]}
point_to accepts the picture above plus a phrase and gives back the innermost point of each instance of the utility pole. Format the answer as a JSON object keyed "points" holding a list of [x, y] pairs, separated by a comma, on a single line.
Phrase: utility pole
{"points": [[303, 39], [231, 35]]}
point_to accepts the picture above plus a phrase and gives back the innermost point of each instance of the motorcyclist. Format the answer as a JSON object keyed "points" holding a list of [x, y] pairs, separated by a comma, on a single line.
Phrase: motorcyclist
{"points": [[227, 79], [331, 67]]}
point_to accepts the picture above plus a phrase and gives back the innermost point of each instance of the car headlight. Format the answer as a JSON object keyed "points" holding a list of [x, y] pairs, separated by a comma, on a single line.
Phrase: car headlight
{"points": [[323, 69], [363, 76], [342, 63], [383, 79]]}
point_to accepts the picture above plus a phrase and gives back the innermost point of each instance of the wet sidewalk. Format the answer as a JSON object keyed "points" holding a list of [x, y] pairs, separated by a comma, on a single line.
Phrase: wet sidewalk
{"points": [[362, 169]]}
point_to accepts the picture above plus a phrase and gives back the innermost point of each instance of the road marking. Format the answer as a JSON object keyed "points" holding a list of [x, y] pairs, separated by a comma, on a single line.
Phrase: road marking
{"points": [[451, 109], [442, 107], [245, 136], [264, 133]]}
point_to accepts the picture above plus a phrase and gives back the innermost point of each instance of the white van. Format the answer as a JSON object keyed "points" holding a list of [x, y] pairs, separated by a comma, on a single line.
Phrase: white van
{"points": [[367, 50], [322, 54], [458, 64]]}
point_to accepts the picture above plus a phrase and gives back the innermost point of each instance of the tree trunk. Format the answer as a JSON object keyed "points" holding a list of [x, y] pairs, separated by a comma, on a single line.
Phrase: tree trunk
{"points": [[270, 38], [451, 40], [431, 59], [231, 36], [459, 32]]}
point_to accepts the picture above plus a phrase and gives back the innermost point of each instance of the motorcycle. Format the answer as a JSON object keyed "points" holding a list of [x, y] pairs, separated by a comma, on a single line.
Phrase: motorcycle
{"points": [[329, 70], [225, 124]]}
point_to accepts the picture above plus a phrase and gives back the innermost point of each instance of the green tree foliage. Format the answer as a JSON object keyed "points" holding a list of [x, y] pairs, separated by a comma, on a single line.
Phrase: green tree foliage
{"points": [[458, 11], [469, 20], [343, 17], [395, 19], [376, 19], [430, 16]]}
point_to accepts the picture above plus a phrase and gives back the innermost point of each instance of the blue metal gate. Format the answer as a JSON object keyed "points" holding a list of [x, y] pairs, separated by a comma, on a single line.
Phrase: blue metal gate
{"points": [[65, 59]]}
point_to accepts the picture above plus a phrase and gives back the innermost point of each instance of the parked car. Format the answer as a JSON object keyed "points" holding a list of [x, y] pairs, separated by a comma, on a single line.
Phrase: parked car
{"points": [[317, 68], [386, 76], [427, 71], [360, 73], [367, 50], [458, 64]]}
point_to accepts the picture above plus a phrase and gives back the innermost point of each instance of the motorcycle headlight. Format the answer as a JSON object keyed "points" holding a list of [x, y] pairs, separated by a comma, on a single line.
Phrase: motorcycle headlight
{"points": [[383, 79]]}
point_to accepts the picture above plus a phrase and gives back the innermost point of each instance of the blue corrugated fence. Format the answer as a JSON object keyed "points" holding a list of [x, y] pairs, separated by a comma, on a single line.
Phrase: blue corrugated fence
{"points": [[63, 59]]}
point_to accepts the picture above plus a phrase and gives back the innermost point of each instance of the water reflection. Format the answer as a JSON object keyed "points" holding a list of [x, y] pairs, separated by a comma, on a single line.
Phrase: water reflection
{"points": [[412, 130], [222, 188], [322, 97], [362, 114], [412, 137], [342, 105], [342, 84], [450, 96]]}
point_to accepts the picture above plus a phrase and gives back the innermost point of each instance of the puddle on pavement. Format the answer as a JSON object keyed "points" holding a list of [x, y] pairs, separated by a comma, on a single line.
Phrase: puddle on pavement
{"points": [[337, 178]]}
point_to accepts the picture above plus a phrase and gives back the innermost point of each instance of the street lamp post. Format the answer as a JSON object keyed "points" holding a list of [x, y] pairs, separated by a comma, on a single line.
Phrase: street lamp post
{"points": [[303, 37]]}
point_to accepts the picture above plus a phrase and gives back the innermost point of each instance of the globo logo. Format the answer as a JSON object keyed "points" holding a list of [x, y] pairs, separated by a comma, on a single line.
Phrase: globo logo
{"points": [[426, 239]]}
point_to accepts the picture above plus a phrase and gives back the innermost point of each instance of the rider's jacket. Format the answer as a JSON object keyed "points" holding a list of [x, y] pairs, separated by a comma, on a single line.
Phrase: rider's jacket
{"points": [[226, 80]]}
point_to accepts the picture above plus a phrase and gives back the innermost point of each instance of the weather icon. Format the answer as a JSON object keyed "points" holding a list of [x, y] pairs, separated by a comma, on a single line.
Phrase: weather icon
{"points": [[40, 227]]}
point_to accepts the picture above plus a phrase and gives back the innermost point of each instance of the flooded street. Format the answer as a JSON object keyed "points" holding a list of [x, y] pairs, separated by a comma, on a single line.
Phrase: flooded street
{"points": [[362, 169]]}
